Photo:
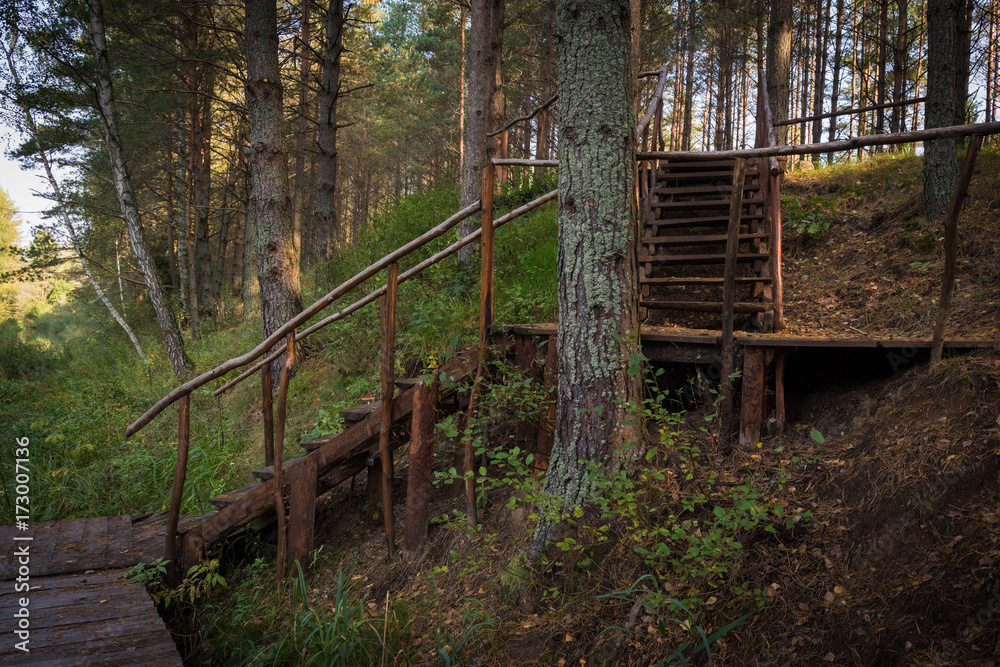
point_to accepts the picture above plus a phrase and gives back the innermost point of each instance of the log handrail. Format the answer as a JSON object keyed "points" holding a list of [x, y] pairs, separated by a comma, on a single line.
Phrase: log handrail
{"points": [[950, 132], [300, 319], [653, 106], [403, 277], [848, 112]]}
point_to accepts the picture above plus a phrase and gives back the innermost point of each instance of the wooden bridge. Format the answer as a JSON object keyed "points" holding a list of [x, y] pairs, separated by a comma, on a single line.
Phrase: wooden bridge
{"points": [[689, 269]]}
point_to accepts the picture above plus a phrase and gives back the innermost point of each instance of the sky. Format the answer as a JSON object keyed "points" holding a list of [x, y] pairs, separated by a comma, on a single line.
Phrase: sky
{"points": [[21, 184]]}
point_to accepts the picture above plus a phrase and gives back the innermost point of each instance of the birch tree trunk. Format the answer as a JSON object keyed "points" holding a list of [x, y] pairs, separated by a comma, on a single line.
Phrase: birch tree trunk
{"points": [[126, 197], [598, 301]]}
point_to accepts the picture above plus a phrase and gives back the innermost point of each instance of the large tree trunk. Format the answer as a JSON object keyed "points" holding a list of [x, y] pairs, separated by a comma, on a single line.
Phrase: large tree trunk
{"points": [[943, 92], [779, 59], [277, 268], [598, 302], [126, 196], [325, 216], [482, 78]]}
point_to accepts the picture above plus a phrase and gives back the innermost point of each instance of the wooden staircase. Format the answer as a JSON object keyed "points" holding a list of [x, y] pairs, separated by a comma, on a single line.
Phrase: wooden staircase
{"points": [[686, 211]]}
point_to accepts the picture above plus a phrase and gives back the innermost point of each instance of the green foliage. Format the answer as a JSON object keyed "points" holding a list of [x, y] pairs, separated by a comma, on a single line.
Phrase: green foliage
{"points": [[808, 220], [10, 234]]}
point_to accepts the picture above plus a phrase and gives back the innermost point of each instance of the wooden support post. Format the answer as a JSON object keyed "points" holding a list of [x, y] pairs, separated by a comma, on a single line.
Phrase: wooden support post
{"points": [[388, 388], [281, 410], [772, 210], [301, 512], [192, 548], [419, 477], [525, 358], [729, 294], [267, 392], [177, 492], [779, 391], [951, 248], [754, 394], [546, 430]]}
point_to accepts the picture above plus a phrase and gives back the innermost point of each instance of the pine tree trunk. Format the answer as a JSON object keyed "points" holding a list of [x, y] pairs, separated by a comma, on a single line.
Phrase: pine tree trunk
{"points": [[298, 204], [326, 223], [126, 197], [482, 77], [598, 303], [689, 81], [943, 85], [838, 48], [277, 269], [899, 66], [202, 177], [180, 218], [548, 85], [779, 61], [249, 285]]}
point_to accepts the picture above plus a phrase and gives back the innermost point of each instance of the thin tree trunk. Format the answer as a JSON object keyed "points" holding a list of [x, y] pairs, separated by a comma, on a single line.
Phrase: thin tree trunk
{"points": [[819, 87], [689, 81], [548, 62], [298, 205], [277, 269], [325, 213], [882, 51], [899, 67], [835, 93], [126, 197], [779, 59], [461, 89]]}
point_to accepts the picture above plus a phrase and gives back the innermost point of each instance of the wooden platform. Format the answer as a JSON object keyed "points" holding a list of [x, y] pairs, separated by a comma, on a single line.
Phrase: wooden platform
{"points": [[80, 610]]}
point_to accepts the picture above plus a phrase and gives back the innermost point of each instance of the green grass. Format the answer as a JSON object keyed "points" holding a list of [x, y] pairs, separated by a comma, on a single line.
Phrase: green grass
{"points": [[71, 381]]}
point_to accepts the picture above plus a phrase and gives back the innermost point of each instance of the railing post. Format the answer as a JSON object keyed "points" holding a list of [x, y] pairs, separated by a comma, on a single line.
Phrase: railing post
{"points": [[729, 294], [177, 493], [485, 324], [268, 411], [279, 447], [388, 388], [419, 476]]}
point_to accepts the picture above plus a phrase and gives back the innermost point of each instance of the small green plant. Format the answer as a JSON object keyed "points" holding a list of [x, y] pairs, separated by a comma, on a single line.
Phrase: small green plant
{"points": [[809, 220]]}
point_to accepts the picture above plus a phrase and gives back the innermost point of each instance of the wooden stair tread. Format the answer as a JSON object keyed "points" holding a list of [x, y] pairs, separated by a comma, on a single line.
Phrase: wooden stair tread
{"points": [[694, 175], [701, 259], [700, 189], [708, 221], [702, 204], [690, 164], [704, 306], [359, 412], [697, 239], [230, 497], [740, 280], [267, 473]]}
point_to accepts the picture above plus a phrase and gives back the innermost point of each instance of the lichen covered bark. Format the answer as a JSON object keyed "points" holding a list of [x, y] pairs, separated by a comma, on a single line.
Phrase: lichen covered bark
{"points": [[598, 305]]}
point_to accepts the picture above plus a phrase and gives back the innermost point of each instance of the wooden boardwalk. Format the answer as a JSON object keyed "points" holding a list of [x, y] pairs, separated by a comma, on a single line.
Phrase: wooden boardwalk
{"points": [[80, 609]]}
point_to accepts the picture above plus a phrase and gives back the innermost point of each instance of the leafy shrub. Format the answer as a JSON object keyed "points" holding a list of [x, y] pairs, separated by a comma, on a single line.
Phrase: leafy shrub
{"points": [[808, 220]]}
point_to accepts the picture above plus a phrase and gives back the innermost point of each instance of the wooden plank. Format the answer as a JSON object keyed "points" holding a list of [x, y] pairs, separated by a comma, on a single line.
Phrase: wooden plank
{"points": [[682, 354], [702, 204], [726, 174], [420, 473], [754, 394], [729, 293], [779, 391], [704, 306], [119, 546], [546, 430], [301, 513], [525, 358], [704, 221], [388, 357], [740, 280], [698, 239], [687, 190], [688, 260], [359, 412]]}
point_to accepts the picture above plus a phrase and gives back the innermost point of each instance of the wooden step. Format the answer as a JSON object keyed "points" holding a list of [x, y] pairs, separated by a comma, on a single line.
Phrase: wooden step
{"points": [[695, 175], [721, 188], [703, 306], [694, 164], [709, 221], [669, 282], [359, 412], [700, 204], [230, 497], [267, 473], [678, 260], [697, 239]]}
